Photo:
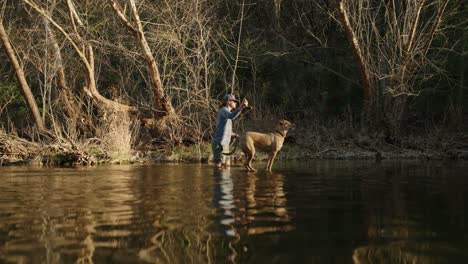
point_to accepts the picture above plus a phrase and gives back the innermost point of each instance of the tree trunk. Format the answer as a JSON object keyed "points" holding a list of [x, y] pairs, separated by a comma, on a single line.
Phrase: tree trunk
{"points": [[161, 103], [363, 70], [28, 96], [72, 109], [64, 92], [91, 88], [160, 100], [395, 110]]}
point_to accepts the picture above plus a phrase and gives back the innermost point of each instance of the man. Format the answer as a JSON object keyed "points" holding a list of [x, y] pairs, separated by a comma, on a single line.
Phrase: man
{"points": [[223, 131]]}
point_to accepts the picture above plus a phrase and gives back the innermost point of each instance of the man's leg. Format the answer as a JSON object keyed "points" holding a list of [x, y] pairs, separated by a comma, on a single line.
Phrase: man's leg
{"points": [[217, 154], [226, 159]]}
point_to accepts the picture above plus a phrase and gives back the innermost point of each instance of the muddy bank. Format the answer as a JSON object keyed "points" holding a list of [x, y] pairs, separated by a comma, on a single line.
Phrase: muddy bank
{"points": [[18, 151], [298, 146]]}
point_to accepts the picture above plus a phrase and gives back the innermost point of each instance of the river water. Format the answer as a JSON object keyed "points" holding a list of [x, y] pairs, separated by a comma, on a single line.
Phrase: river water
{"points": [[320, 212]]}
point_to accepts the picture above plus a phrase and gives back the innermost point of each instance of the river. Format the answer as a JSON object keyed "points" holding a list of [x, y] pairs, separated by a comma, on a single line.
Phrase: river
{"points": [[316, 212]]}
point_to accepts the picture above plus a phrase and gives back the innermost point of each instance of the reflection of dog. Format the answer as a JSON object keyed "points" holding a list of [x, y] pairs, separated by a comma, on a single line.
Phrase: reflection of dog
{"points": [[270, 143]]}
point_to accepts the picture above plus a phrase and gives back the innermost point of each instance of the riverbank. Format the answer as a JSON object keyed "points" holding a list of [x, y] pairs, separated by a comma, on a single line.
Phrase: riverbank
{"points": [[299, 145]]}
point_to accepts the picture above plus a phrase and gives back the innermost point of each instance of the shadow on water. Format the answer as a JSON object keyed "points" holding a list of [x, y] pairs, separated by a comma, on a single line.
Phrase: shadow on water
{"points": [[322, 212]]}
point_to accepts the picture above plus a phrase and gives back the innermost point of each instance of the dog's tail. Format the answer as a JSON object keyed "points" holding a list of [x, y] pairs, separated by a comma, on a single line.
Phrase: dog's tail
{"points": [[235, 145]]}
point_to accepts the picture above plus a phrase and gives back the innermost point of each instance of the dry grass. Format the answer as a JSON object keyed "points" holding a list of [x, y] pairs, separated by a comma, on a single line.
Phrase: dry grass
{"points": [[117, 134]]}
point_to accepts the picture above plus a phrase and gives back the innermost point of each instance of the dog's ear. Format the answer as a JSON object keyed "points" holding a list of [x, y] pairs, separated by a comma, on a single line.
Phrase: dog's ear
{"points": [[284, 122]]}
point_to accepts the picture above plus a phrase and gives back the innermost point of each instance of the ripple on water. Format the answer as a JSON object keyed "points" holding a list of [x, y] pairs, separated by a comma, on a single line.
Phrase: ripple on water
{"points": [[194, 214]]}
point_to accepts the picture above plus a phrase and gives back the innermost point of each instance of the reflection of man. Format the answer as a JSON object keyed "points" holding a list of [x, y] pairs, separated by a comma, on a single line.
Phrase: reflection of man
{"points": [[224, 198]]}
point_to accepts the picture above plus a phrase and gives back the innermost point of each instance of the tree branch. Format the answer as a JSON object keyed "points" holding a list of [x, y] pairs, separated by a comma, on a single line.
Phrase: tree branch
{"points": [[122, 16]]}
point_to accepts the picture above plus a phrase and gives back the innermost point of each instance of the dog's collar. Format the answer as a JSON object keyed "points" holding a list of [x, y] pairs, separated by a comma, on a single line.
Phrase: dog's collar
{"points": [[279, 132]]}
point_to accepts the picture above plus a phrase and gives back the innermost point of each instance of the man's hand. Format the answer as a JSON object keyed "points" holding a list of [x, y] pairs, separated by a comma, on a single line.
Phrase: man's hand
{"points": [[244, 104]]}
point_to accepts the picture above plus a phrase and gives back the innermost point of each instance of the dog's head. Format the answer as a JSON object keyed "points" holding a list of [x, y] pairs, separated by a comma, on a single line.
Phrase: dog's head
{"points": [[284, 124]]}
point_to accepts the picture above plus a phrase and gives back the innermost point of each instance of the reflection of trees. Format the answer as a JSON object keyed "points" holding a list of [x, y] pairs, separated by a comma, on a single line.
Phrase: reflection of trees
{"points": [[130, 214], [69, 215], [152, 214], [184, 214], [180, 210], [413, 213], [408, 252], [183, 231]]}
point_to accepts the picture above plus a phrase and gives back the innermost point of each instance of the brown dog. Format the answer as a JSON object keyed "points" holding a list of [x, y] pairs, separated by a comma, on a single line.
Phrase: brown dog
{"points": [[269, 142]]}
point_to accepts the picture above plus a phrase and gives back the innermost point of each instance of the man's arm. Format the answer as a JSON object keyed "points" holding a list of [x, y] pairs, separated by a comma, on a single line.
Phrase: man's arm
{"points": [[232, 115]]}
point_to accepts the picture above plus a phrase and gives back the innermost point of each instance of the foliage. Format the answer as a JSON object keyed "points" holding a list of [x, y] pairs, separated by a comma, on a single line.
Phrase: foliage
{"points": [[12, 104], [289, 58]]}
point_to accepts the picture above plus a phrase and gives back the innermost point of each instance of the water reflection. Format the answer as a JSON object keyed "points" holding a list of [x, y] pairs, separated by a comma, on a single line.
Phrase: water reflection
{"points": [[224, 199], [56, 219], [323, 212], [258, 205], [404, 211], [175, 202], [250, 204]]}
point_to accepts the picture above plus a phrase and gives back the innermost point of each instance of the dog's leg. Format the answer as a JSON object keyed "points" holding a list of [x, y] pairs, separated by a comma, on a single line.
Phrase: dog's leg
{"points": [[271, 158], [249, 164], [249, 160]]}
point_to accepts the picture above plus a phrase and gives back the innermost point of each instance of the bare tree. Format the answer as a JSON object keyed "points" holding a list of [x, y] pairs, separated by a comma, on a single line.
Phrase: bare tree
{"points": [[358, 53], [161, 101], [85, 53], [390, 41], [76, 119], [182, 36], [28, 96]]}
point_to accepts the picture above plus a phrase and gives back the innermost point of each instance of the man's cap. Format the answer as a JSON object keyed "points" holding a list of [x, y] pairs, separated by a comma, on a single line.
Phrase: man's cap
{"points": [[229, 97]]}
